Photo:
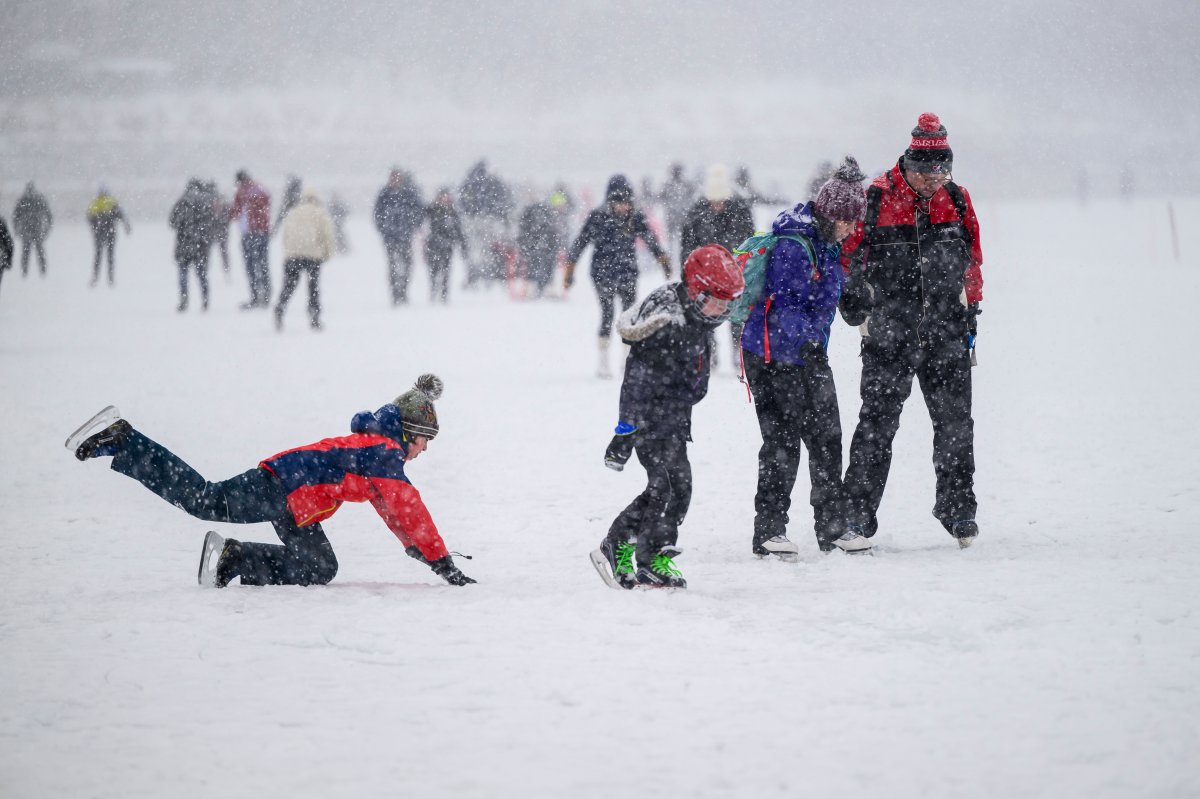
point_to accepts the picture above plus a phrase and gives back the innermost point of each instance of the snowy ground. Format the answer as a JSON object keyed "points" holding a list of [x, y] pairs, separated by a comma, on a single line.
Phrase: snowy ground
{"points": [[1058, 657]]}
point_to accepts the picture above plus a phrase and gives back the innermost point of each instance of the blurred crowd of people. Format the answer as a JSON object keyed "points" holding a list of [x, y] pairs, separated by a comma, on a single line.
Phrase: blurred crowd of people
{"points": [[504, 234]]}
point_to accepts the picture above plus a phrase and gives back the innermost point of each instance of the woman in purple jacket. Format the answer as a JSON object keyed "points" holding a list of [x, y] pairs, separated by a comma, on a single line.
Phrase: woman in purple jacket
{"points": [[784, 346]]}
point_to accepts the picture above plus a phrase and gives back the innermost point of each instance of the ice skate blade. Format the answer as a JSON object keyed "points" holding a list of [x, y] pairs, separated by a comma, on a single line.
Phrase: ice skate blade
{"points": [[101, 420], [605, 571], [210, 555], [786, 557]]}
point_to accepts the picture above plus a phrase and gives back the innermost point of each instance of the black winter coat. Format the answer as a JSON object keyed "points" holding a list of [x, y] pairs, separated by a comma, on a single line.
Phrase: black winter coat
{"points": [[614, 260], [31, 216], [195, 225], [445, 231], [539, 234], [399, 211], [668, 366], [703, 225], [6, 246]]}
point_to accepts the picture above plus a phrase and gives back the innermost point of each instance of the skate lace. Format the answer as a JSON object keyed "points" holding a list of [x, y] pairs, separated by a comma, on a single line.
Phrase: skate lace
{"points": [[664, 565], [625, 552]]}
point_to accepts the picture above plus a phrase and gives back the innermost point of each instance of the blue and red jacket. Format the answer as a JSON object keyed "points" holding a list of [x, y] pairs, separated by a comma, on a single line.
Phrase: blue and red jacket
{"points": [[367, 466], [800, 298]]}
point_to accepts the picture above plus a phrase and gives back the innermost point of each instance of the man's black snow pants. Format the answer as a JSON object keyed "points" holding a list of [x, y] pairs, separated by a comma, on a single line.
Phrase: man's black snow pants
{"points": [[944, 374], [655, 514], [305, 557], [796, 405]]}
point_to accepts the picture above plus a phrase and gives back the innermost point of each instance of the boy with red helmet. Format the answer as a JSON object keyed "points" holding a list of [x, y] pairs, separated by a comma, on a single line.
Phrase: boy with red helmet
{"points": [[666, 373]]}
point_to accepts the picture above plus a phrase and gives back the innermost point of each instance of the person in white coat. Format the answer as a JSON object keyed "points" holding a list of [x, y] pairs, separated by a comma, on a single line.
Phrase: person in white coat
{"points": [[308, 241]]}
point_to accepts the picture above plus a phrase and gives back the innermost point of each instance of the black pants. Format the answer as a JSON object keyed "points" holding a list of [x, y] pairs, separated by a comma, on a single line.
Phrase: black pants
{"points": [[796, 405], [655, 514], [304, 558], [944, 374], [438, 262], [105, 245], [198, 263], [36, 245], [292, 269], [399, 260], [258, 271], [608, 292]]}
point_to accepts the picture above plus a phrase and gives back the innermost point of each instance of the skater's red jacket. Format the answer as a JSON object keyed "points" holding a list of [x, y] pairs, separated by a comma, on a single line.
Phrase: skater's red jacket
{"points": [[254, 201], [367, 466]]}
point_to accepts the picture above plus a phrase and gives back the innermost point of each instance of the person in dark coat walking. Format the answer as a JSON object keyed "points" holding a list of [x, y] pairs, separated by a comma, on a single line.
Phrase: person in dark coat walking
{"points": [[103, 214], [718, 217], [294, 490], [676, 197], [785, 343], [194, 222], [613, 229], [445, 233], [915, 284], [220, 224], [666, 374], [399, 211], [487, 205], [540, 239], [6, 248], [32, 221]]}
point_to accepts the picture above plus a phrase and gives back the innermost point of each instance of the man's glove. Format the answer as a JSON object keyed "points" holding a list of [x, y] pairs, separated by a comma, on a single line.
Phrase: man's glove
{"points": [[621, 447], [568, 274], [445, 568], [665, 260], [973, 313]]}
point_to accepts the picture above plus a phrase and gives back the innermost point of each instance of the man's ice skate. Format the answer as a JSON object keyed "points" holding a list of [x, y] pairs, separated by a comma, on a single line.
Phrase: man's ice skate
{"points": [[218, 561], [662, 573], [100, 436], [851, 542], [965, 531], [779, 545], [615, 564]]}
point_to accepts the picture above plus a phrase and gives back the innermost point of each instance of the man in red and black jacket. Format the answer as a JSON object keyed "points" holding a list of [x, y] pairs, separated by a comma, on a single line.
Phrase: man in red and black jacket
{"points": [[294, 490], [913, 287]]}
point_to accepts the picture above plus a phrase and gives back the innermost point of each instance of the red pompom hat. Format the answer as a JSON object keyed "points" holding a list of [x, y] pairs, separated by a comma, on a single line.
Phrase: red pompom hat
{"points": [[929, 150]]}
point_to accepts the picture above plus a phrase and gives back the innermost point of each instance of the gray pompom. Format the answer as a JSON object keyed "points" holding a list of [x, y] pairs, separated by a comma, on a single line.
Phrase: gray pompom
{"points": [[849, 171], [430, 385]]}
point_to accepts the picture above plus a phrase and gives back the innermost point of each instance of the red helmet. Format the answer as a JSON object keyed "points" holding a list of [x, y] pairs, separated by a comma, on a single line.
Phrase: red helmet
{"points": [[712, 280]]}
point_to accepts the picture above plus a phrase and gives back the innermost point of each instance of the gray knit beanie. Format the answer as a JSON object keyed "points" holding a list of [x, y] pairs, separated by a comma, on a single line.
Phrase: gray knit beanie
{"points": [[416, 406]]}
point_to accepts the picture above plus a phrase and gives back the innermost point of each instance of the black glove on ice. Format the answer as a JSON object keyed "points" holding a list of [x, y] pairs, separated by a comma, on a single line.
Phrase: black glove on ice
{"points": [[446, 569], [620, 448]]}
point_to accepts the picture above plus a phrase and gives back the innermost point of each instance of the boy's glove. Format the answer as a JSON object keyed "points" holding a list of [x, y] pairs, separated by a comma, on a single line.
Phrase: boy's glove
{"points": [[973, 313], [665, 262], [568, 275], [445, 568], [621, 447]]}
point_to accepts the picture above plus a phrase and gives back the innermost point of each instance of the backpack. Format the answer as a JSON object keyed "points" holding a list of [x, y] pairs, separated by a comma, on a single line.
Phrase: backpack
{"points": [[753, 255]]}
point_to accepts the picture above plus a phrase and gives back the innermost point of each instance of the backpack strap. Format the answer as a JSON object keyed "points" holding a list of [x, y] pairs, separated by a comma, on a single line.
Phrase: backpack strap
{"points": [[960, 204]]}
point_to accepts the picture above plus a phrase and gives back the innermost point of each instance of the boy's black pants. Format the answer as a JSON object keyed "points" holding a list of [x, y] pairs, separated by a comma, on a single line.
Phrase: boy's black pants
{"points": [[305, 557], [655, 514]]}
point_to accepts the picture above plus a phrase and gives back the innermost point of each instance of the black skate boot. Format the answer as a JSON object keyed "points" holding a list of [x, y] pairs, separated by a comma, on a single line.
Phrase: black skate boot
{"points": [[106, 443], [965, 531], [614, 562], [220, 560], [661, 573]]}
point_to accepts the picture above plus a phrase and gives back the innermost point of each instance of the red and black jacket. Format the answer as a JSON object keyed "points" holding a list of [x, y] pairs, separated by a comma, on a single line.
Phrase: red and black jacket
{"points": [[912, 265], [367, 466]]}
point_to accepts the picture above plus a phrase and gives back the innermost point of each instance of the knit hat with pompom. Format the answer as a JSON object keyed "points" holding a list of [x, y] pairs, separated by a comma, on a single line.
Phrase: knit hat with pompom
{"points": [[929, 150], [842, 198], [416, 406]]}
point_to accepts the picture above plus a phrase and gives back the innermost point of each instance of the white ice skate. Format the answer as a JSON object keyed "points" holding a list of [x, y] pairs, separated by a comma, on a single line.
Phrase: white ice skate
{"points": [[210, 556], [101, 420], [852, 543]]}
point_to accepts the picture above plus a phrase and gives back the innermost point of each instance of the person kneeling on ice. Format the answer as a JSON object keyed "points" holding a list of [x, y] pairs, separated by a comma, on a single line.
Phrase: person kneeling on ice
{"points": [[666, 373], [294, 491]]}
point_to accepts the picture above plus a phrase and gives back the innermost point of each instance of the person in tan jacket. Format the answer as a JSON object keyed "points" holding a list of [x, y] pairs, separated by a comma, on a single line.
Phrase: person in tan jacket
{"points": [[308, 242]]}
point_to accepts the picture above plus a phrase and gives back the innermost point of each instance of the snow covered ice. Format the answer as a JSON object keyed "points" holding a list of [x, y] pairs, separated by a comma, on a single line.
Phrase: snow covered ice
{"points": [[1057, 657]]}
